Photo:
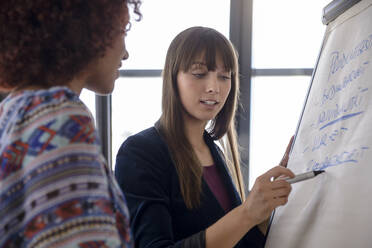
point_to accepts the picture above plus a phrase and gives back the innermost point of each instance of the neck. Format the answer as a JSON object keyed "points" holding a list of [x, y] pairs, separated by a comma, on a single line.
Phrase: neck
{"points": [[76, 85], [194, 132]]}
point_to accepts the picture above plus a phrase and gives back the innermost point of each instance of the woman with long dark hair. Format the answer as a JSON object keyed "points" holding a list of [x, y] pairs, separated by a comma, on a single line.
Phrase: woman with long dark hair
{"points": [[183, 189]]}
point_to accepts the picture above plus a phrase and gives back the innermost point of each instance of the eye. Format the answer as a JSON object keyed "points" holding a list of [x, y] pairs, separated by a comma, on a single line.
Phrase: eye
{"points": [[225, 77], [199, 74]]}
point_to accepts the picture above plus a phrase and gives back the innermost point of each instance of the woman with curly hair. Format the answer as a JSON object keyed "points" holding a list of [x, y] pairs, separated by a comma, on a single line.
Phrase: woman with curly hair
{"points": [[56, 189]]}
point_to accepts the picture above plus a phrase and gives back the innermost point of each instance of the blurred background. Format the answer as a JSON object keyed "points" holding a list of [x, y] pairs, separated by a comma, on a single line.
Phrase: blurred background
{"points": [[278, 43]]}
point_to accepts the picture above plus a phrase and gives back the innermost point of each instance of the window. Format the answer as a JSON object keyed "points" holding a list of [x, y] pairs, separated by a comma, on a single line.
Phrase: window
{"points": [[147, 42], [136, 105], [136, 100], [88, 98], [276, 107], [287, 33], [286, 39]]}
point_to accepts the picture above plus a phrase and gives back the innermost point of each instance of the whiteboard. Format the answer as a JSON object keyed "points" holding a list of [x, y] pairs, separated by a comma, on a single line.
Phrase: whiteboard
{"points": [[334, 209]]}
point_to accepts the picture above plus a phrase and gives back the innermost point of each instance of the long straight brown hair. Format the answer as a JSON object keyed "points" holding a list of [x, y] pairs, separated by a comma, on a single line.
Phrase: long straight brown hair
{"points": [[182, 52]]}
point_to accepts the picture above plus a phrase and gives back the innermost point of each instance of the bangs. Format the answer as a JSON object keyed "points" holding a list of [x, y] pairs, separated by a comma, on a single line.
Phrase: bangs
{"points": [[205, 45]]}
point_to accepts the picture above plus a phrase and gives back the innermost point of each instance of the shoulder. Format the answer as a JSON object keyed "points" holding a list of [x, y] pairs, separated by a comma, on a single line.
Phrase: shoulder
{"points": [[57, 111], [146, 152], [147, 141], [214, 146], [57, 158], [143, 157], [47, 124], [29, 109], [150, 136]]}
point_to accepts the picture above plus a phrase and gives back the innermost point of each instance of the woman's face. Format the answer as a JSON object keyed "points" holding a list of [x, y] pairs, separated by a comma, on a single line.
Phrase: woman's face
{"points": [[203, 93], [105, 70]]}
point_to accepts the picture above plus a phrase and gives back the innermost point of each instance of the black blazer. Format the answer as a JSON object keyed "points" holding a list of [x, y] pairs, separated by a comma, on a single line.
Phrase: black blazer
{"points": [[159, 217]]}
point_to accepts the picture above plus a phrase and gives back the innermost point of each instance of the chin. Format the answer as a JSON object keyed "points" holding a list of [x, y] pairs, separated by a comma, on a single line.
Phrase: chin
{"points": [[103, 89], [103, 93]]}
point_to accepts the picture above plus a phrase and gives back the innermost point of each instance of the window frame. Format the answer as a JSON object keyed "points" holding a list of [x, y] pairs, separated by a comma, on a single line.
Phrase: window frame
{"points": [[241, 14]]}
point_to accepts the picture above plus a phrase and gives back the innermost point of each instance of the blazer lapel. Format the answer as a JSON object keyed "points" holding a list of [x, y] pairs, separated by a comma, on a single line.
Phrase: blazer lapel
{"points": [[224, 172]]}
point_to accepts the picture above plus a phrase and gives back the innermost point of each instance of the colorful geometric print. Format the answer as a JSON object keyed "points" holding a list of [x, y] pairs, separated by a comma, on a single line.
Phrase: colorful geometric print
{"points": [[47, 174], [67, 213], [90, 244], [79, 129], [40, 139], [55, 187], [11, 159], [75, 129]]}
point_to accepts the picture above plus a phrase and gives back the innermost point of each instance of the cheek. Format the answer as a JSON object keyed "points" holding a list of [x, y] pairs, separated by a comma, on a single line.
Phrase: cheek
{"points": [[225, 89], [183, 94], [182, 89], [120, 46]]}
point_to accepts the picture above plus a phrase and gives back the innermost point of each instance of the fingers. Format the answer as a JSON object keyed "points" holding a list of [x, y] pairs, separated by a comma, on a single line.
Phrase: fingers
{"points": [[281, 192], [280, 177], [280, 183], [273, 189], [279, 201], [276, 191], [266, 195], [280, 196], [272, 198], [276, 172], [285, 158]]}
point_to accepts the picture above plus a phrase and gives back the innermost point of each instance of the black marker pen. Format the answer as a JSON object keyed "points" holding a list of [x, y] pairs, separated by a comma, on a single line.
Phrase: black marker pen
{"points": [[304, 176]]}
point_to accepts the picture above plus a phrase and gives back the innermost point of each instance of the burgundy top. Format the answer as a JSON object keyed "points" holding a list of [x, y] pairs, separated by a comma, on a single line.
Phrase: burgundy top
{"points": [[215, 183]]}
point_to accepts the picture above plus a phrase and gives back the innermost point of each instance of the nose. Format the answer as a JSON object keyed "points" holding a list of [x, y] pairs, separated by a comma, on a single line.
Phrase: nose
{"points": [[212, 85], [126, 55]]}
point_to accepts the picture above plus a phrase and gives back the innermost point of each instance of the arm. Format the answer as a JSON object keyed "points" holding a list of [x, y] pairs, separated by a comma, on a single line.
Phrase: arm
{"points": [[263, 226], [142, 173], [265, 196], [145, 183], [65, 199]]}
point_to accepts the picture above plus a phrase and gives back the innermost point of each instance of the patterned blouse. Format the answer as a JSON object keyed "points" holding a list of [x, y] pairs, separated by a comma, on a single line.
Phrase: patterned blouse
{"points": [[55, 187]]}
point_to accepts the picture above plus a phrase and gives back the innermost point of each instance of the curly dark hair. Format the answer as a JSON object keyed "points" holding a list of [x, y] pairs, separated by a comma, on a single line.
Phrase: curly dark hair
{"points": [[48, 42]]}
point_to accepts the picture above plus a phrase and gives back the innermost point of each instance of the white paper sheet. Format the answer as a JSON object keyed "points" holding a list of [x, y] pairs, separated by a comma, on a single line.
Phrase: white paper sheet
{"points": [[334, 209]]}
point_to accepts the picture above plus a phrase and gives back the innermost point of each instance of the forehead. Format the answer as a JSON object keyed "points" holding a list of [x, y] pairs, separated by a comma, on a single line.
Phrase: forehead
{"points": [[216, 63], [125, 16]]}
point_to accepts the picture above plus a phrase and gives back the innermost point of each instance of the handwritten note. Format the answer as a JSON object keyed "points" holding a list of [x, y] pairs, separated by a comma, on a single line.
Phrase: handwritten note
{"points": [[334, 134]]}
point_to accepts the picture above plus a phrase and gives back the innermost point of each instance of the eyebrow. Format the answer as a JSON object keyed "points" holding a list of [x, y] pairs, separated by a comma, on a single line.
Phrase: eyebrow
{"points": [[198, 63]]}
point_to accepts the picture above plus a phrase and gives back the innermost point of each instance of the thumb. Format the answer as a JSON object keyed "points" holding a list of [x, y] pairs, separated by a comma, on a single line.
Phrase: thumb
{"points": [[278, 171]]}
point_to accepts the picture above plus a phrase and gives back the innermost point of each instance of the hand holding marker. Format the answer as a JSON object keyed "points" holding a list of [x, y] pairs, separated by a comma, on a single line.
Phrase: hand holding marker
{"points": [[299, 177], [304, 176]]}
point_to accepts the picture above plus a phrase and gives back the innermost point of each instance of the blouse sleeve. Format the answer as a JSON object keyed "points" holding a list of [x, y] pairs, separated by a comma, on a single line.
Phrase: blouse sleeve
{"points": [[254, 238], [142, 174], [59, 194]]}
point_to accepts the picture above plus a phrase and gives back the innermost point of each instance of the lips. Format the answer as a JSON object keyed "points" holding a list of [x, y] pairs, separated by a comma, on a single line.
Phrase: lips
{"points": [[209, 102]]}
